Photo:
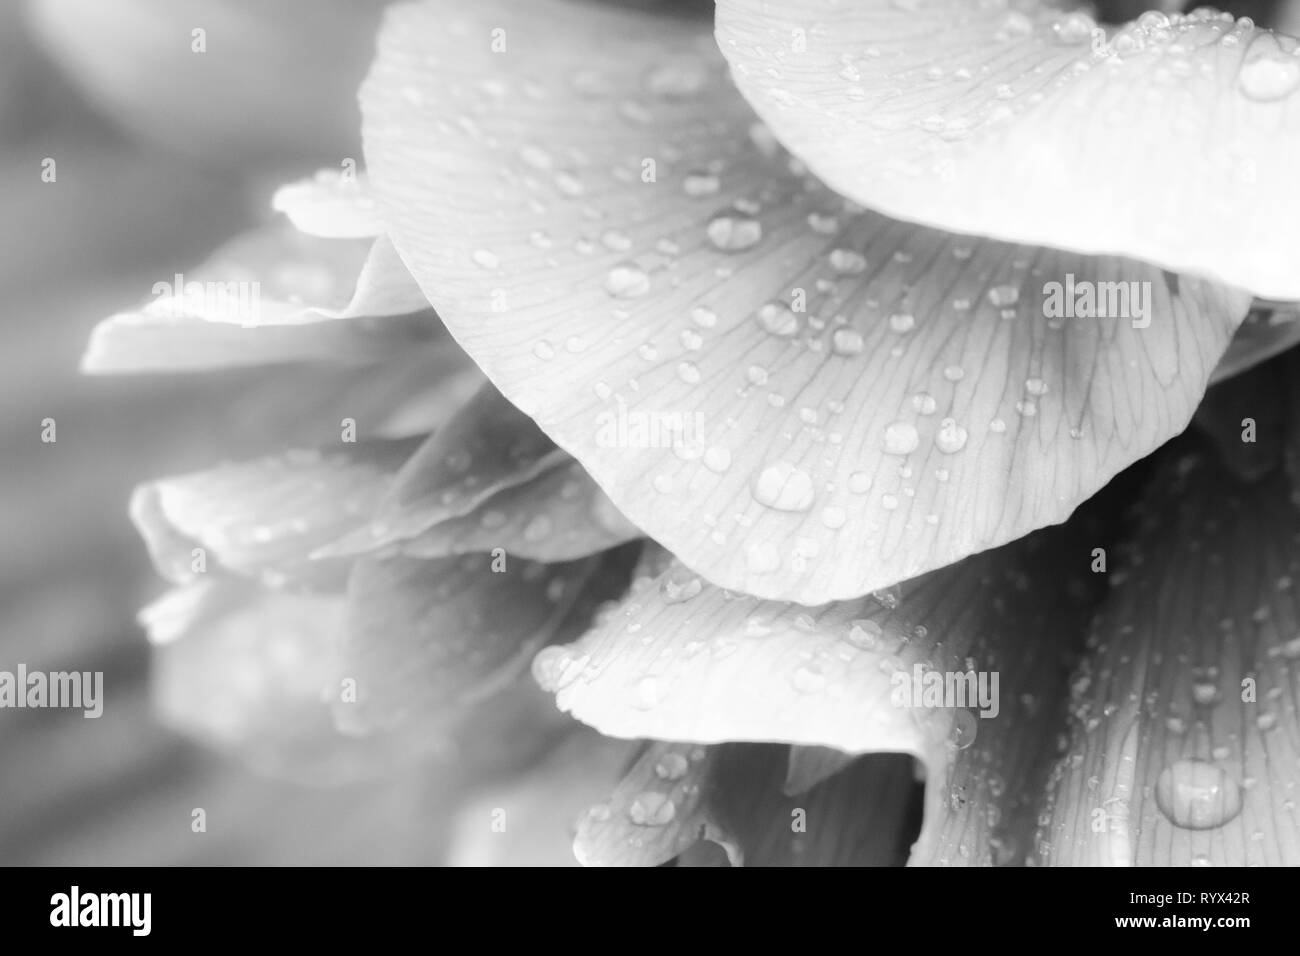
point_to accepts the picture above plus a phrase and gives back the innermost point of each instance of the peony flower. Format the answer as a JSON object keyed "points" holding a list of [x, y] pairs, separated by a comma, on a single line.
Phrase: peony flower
{"points": [[796, 392]]}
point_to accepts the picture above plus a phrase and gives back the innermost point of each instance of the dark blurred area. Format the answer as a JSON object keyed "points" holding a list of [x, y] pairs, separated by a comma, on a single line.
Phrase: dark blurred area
{"points": [[160, 156]]}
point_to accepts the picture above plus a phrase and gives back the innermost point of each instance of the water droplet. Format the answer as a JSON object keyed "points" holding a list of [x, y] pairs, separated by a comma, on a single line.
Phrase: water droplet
{"points": [[848, 262], [778, 319], [717, 459], [965, 727], [902, 322], [1271, 77], [1035, 386], [688, 372], [951, 437], [833, 518], [865, 634], [704, 318], [671, 766], [486, 259], [696, 185], [651, 809], [679, 586], [1004, 296], [783, 487], [1073, 29], [901, 438], [734, 231], [627, 282], [1197, 795], [924, 403], [847, 342]]}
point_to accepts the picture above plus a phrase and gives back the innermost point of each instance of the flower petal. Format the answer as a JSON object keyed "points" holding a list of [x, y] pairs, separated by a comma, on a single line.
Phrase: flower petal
{"points": [[1266, 332], [1184, 747], [1245, 418], [263, 518], [1173, 140], [486, 447], [731, 795], [560, 515], [333, 204], [272, 295], [426, 639], [686, 661], [921, 409]]}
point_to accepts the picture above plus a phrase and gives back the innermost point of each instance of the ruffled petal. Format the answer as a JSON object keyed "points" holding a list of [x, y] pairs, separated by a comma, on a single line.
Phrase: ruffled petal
{"points": [[560, 515], [333, 204], [844, 401], [263, 518], [1173, 139], [272, 295], [486, 447]]}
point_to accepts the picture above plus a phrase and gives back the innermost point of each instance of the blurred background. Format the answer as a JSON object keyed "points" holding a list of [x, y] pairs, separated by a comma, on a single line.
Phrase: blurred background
{"points": [[161, 154]]}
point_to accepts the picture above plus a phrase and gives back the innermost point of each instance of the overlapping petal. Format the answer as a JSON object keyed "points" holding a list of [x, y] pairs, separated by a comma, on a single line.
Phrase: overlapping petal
{"points": [[430, 638], [263, 518], [843, 400], [1184, 747], [683, 660], [1172, 139], [271, 295], [676, 795]]}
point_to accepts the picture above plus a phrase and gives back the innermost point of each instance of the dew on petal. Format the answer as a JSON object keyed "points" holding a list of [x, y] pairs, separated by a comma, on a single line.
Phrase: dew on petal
{"points": [[784, 487], [652, 809], [627, 282], [901, 438], [734, 231], [1197, 795]]}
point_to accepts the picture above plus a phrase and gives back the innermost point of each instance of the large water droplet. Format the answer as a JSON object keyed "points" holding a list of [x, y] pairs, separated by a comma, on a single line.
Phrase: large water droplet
{"points": [[1197, 795], [1271, 77], [783, 487]]}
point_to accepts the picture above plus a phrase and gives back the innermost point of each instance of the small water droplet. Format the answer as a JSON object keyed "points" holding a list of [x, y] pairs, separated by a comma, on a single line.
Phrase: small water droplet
{"points": [[951, 437], [671, 766], [734, 231], [847, 342], [901, 438], [1004, 296], [627, 282], [902, 322]]}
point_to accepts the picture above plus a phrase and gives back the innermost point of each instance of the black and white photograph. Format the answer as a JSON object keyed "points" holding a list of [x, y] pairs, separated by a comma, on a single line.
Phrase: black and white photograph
{"points": [[650, 433]]}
